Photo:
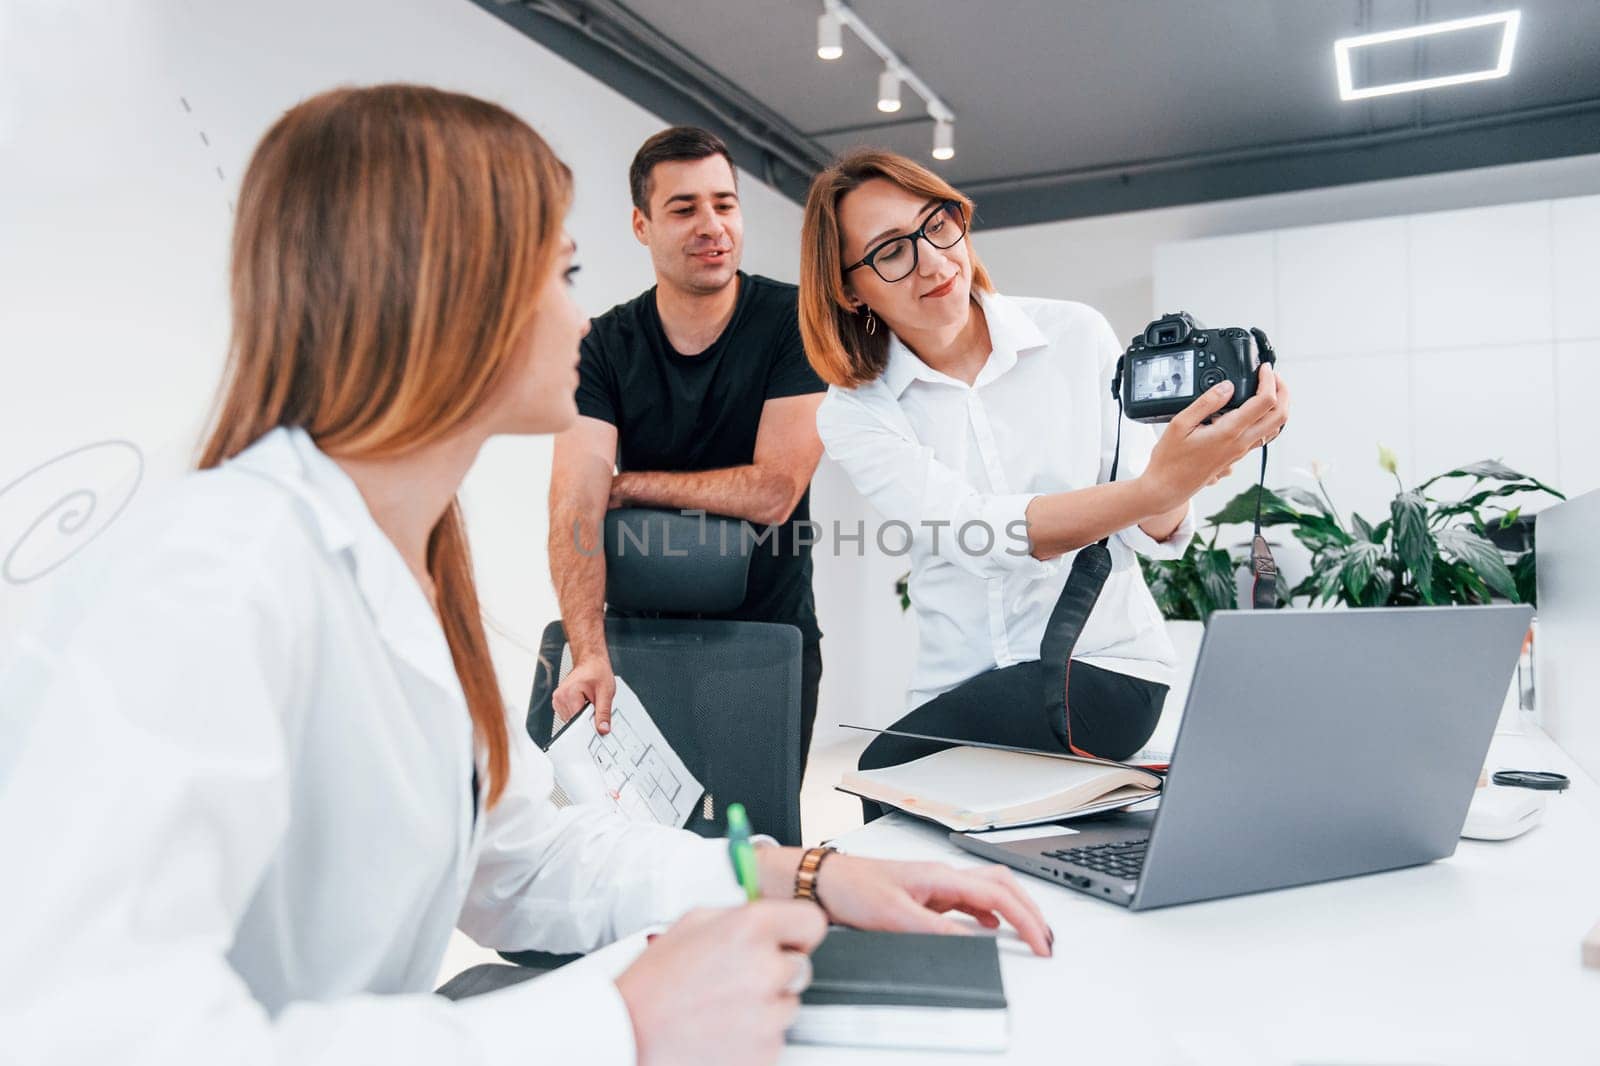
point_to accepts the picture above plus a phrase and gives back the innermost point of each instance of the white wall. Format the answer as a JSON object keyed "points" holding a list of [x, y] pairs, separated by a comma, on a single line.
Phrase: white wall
{"points": [[868, 641], [1109, 262], [1449, 337], [124, 129]]}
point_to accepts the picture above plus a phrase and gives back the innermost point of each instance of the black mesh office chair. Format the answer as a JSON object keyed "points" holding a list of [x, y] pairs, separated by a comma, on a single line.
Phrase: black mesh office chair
{"points": [[726, 695]]}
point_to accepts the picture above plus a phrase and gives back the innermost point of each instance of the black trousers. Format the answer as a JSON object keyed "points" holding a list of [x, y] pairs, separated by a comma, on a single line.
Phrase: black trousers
{"points": [[810, 678], [1112, 715]]}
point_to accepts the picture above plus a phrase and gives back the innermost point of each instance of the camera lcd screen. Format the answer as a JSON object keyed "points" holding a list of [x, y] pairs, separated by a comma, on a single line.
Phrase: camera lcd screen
{"points": [[1164, 377]]}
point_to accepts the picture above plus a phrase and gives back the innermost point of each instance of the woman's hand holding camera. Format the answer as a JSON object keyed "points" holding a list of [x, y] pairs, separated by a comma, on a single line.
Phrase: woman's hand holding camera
{"points": [[1190, 454]]}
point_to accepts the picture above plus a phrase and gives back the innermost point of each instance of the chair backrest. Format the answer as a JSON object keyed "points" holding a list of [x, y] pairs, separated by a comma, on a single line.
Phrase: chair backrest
{"points": [[670, 561], [726, 695]]}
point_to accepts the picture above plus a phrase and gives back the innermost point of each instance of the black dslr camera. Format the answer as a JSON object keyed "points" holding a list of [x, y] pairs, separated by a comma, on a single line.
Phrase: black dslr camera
{"points": [[1176, 359]]}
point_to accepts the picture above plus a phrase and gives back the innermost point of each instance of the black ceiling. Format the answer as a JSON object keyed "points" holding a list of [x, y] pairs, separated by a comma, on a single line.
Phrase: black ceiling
{"points": [[1066, 109]]}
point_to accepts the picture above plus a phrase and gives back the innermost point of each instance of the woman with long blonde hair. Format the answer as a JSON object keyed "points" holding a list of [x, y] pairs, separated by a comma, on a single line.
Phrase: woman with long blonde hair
{"points": [[258, 765]]}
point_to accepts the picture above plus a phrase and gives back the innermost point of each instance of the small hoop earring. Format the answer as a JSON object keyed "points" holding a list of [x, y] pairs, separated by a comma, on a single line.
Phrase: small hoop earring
{"points": [[872, 323]]}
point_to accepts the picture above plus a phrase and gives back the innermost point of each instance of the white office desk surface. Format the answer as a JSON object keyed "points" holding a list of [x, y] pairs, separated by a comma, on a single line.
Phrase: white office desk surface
{"points": [[1472, 959]]}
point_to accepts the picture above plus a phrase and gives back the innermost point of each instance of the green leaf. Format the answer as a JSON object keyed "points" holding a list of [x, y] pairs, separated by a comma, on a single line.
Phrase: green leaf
{"points": [[1412, 542], [1485, 469], [1329, 578], [1214, 568], [1455, 582], [1175, 585], [1313, 530], [1468, 504], [1524, 573], [1319, 539], [1358, 567], [1362, 527], [1489, 468], [1275, 510], [1307, 499], [1492, 470], [1382, 584], [1483, 558], [1509, 519]]}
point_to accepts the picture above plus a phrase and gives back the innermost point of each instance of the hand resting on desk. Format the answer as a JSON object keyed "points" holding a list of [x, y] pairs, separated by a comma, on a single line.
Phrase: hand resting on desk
{"points": [[721, 986], [917, 897]]}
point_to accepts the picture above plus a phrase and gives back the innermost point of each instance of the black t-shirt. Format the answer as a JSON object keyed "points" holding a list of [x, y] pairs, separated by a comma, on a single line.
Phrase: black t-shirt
{"points": [[677, 413]]}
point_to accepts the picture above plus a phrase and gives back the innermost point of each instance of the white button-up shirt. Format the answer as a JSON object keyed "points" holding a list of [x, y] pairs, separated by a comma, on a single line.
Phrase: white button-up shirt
{"points": [[236, 807], [960, 463]]}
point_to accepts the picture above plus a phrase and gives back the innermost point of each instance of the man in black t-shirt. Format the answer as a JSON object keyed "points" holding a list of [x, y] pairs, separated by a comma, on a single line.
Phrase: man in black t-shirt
{"points": [[695, 395]]}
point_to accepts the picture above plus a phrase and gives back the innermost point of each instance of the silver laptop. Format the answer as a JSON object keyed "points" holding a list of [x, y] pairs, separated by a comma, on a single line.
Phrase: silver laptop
{"points": [[1315, 745]]}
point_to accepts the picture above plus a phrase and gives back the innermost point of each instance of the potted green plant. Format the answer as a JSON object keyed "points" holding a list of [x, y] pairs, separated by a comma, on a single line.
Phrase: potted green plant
{"points": [[1428, 550], [1202, 580]]}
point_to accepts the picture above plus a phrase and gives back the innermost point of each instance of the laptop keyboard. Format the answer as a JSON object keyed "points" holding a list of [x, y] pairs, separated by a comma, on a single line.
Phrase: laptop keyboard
{"points": [[1122, 860]]}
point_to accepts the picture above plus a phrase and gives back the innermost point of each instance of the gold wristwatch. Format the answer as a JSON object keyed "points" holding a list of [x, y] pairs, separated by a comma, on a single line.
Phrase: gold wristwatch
{"points": [[805, 877]]}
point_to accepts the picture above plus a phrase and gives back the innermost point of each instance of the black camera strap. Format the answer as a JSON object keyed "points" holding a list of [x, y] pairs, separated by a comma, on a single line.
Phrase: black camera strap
{"points": [[1092, 566], [1087, 577], [1263, 567]]}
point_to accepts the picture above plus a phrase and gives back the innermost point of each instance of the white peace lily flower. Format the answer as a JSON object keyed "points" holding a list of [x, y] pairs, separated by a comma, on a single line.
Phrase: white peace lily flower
{"points": [[1318, 471], [1388, 460]]}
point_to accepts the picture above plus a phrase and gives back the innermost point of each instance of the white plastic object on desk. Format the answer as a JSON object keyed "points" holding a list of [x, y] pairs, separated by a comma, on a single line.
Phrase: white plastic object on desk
{"points": [[1499, 813]]}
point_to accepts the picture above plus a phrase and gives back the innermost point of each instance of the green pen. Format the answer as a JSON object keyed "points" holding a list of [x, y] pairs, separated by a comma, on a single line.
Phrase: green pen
{"points": [[742, 853]]}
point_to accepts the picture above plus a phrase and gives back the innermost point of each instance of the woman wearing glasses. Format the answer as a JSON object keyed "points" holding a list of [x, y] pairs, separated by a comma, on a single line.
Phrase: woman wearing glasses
{"points": [[985, 423]]}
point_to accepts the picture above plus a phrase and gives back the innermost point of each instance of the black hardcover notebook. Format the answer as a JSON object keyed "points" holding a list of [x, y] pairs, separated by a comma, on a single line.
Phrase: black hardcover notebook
{"points": [[904, 990]]}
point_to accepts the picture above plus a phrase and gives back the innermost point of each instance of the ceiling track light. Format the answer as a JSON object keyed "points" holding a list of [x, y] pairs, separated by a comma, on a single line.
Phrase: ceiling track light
{"points": [[830, 36], [836, 15], [888, 92]]}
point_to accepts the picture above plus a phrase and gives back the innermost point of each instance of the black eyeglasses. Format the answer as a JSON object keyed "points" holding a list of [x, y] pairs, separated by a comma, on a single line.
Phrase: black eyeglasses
{"points": [[894, 259]]}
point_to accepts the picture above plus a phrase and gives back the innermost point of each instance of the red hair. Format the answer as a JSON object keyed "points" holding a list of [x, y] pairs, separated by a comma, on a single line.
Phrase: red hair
{"points": [[387, 250]]}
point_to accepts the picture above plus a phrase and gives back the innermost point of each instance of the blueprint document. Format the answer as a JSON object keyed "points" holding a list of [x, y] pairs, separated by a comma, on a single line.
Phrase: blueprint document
{"points": [[631, 769]]}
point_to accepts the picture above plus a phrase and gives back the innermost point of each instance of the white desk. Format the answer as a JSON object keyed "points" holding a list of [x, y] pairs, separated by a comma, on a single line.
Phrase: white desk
{"points": [[1473, 959]]}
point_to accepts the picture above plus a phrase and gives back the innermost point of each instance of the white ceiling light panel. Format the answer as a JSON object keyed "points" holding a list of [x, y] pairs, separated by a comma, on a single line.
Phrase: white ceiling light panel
{"points": [[1342, 48]]}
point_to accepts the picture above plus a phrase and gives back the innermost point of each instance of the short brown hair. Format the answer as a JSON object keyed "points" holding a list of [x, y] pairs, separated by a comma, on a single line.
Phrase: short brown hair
{"points": [[675, 144], [838, 345]]}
